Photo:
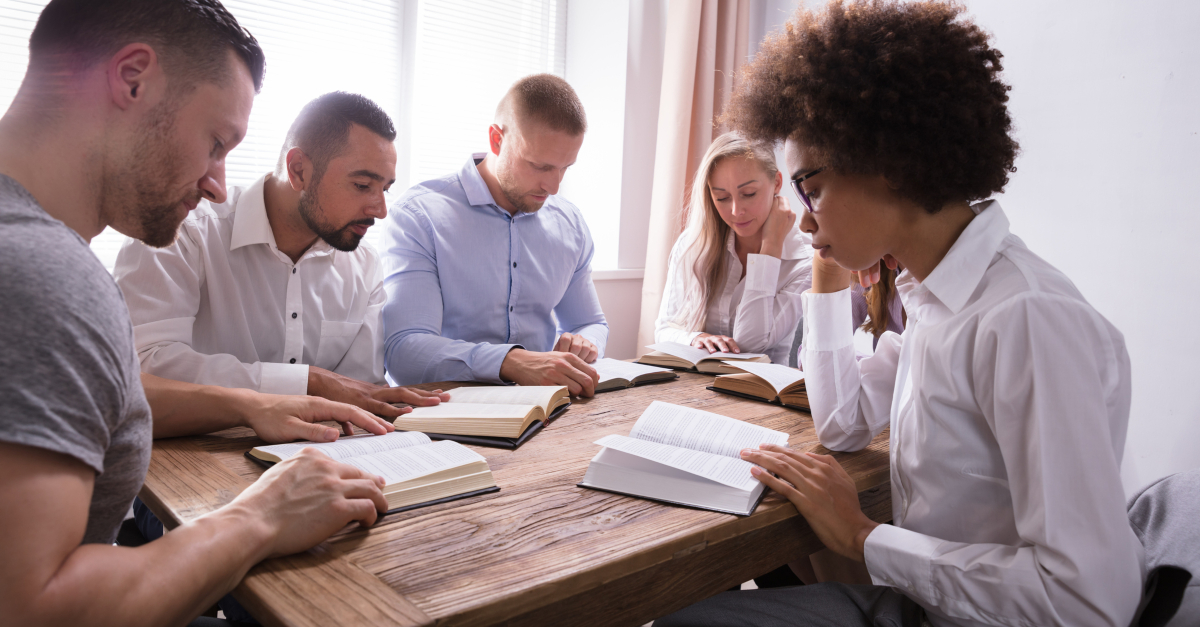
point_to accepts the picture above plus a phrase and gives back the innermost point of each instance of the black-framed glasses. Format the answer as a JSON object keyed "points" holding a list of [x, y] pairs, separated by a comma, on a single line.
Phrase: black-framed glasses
{"points": [[800, 190]]}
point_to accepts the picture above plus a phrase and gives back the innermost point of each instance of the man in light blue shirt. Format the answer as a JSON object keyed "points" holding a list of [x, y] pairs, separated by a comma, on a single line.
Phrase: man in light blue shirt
{"points": [[488, 272]]}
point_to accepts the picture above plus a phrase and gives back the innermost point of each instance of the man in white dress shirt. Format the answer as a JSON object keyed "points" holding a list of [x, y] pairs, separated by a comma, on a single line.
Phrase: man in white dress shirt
{"points": [[1007, 397], [270, 290]]}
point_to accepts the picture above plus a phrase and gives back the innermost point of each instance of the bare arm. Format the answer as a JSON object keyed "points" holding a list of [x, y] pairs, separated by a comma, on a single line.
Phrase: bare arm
{"points": [[190, 409], [49, 578]]}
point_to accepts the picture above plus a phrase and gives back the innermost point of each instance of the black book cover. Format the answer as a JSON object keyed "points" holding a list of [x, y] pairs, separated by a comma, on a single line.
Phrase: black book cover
{"points": [[510, 444], [774, 401]]}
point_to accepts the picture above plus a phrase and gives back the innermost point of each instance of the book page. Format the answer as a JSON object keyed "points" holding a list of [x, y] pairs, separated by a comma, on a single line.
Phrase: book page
{"points": [[346, 447], [468, 410], [778, 377], [701, 430], [694, 355], [610, 369], [731, 472], [539, 395], [403, 464]]}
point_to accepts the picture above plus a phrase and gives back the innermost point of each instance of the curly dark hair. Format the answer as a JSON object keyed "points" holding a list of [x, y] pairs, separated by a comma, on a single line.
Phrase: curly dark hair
{"points": [[908, 90]]}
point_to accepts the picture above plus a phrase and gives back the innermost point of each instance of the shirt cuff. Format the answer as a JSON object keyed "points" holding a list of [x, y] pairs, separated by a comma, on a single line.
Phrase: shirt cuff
{"points": [[486, 367], [762, 273], [828, 322], [902, 559], [284, 379]]}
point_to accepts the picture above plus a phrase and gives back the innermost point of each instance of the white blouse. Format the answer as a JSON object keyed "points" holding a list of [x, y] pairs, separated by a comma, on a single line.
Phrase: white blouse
{"points": [[760, 311], [1008, 400]]}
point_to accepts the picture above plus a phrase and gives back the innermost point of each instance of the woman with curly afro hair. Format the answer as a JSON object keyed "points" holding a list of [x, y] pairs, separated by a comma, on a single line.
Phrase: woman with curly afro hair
{"points": [[1008, 395]]}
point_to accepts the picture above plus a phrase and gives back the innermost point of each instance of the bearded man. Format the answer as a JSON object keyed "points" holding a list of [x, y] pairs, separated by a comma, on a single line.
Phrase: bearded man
{"points": [[489, 272], [270, 290]]}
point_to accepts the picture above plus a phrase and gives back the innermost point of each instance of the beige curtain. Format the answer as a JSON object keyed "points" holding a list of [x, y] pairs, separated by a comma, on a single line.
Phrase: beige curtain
{"points": [[707, 41]]}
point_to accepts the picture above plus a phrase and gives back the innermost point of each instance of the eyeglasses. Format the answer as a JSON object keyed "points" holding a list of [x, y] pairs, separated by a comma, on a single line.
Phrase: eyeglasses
{"points": [[800, 190]]}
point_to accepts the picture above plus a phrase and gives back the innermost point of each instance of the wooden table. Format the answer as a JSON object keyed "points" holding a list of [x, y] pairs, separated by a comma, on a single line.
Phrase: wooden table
{"points": [[541, 551]]}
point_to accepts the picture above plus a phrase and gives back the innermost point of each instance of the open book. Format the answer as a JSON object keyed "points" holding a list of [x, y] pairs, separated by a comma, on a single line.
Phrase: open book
{"points": [[772, 383], [683, 456], [417, 470], [618, 375], [496, 416], [683, 357]]}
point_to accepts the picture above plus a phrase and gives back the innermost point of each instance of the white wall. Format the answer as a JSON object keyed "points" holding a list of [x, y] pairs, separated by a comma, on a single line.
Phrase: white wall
{"points": [[1106, 100]]}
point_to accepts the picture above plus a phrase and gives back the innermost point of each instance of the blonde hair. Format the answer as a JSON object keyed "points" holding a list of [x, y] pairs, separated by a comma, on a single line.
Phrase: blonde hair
{"points": [[705, 233]]}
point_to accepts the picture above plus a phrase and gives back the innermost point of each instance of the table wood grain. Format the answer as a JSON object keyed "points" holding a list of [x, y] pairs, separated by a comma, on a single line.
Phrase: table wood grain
{"points": [[541, 551]]}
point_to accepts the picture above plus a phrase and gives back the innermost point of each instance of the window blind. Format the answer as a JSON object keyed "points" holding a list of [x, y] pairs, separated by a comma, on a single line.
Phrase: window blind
{"points": [[468, 54]]}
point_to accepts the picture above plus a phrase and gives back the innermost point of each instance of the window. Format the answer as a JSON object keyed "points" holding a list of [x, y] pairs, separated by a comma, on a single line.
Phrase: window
{"points": [[463, 57], [468, 53]]}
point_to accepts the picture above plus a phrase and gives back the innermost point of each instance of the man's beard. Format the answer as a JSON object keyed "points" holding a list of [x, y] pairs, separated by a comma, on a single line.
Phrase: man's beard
{"points": [[139, 194], [341, 238], [508, 187]]}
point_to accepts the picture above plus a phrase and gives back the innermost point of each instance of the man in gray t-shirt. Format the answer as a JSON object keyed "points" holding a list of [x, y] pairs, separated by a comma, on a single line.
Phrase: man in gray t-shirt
{"points": [[125, 118], [82, 395]]}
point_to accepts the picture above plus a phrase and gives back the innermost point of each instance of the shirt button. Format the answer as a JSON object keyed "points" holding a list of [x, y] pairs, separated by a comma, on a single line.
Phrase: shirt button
{"points": [[510, 308], [514, 264], [293, 360], [294, 314], [293, 271]]}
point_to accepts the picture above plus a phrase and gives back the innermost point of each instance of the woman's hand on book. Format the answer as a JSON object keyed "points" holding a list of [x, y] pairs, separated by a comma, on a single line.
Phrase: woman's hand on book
{"points": [[279, 419], [554, 368], [822, 492], [376, 399], [303, 500], [716, 343]]}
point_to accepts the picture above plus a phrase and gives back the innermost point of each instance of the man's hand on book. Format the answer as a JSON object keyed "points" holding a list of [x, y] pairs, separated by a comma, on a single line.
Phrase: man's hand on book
{"points": [[578, 345], [303, 500], [554, 368], [822, 492], [279, 419], [376, 399], [716, 343]]}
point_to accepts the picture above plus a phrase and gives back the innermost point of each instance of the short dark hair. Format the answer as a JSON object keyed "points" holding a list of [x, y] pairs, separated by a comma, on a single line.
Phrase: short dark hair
{"points": [[323, 127], [543, 98], [908, 90], [191, 37]]}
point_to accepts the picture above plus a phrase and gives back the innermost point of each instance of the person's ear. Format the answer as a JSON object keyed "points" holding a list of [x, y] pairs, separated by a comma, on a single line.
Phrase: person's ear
{"points": [[133, 72], [778, 181], [299, 169], [495, 138]]}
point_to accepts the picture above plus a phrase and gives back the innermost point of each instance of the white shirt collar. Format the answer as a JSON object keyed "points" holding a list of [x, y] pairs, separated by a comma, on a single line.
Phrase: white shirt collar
{"points": [[252, 226], [960, 271], [796, 246]]}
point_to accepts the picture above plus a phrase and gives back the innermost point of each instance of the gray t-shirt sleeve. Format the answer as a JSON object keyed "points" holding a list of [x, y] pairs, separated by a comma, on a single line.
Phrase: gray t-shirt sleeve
{"points": [[69, 377]]}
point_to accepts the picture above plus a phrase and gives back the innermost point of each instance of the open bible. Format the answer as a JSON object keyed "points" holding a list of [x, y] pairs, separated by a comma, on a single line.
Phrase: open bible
{"points": [[495, 416], [772, 383], [618, 375], [683, 456], [683, 357], [417, 470]]}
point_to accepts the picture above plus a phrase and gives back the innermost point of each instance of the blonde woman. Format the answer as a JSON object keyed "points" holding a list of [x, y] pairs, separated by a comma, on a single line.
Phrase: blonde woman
{"points": [[737, 272]]}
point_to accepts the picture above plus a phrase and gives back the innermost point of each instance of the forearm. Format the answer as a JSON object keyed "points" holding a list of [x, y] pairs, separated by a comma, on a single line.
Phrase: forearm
{"points": [[767, 315], [195, 564], [415, 358], [189, 409], [178, 361]]}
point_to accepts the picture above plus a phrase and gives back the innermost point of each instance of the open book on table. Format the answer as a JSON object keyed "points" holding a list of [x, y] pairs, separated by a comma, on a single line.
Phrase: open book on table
{"points": [[417, 470], [772, 383], [618, 375], [683, 456], [496, 416], [683, 357]]}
